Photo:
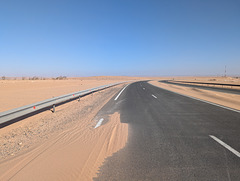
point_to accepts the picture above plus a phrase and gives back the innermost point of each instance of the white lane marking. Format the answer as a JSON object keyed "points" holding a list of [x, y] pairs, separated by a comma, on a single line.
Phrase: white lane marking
{"points": [[99, 123], [225, 145], [120, 92], [143, 88], [154, 96], [238, 111]]}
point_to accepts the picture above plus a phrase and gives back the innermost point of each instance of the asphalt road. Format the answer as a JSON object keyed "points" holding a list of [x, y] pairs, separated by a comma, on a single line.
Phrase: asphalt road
{"points": [[205, 87], [169, 138]]}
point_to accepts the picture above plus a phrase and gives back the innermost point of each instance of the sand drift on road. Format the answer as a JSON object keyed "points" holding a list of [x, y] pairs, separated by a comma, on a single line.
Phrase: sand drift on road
{"points": [[64, 145], [71, 144], [221, 98]]}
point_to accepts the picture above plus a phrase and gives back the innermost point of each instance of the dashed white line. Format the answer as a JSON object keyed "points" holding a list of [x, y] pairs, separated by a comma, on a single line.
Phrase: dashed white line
{"points": [[99, 123], [143, 88], [120, 92], [154, 96], [225, 145]]}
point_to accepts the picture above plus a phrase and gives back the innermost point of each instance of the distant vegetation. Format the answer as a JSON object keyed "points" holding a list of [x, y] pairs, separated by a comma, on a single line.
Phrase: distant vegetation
{"points": [[60, 78], [34, 78], [212, 79]]}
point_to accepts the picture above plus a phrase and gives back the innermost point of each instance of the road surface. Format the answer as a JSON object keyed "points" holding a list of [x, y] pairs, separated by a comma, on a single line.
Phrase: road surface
{"points": [[172, 137]]}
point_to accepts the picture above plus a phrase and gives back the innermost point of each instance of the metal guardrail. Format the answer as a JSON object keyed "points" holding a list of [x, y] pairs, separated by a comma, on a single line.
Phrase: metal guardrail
{"points": [[206, 83], [28, 109]]}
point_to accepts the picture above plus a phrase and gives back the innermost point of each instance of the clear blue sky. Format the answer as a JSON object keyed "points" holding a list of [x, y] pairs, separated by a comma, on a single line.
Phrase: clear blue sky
{"points": [[119, 37]]}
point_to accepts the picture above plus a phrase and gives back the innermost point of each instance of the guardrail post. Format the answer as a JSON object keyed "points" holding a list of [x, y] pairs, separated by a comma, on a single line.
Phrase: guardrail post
{"points": [[53, 108], [79, 99]]}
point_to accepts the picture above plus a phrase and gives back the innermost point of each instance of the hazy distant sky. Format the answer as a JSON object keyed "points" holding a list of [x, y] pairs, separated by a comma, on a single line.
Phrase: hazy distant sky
{"points": [[119, 37]]}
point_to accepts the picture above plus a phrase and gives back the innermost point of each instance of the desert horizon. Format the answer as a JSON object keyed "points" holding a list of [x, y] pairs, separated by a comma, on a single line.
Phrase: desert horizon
{"points": [[119, 90], [17, 93]]}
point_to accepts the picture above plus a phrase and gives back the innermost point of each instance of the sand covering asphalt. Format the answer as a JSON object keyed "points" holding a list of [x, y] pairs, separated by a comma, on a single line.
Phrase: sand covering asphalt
{"points": [[63, 145], [225, 99]]}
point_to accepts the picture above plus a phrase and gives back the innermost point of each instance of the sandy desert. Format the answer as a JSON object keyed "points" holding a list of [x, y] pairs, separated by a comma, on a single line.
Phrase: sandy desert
{"points": [[119, 90], [64, 145]]}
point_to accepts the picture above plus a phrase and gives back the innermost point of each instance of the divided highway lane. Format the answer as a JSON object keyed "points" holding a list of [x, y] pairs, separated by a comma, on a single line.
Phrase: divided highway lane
{"points": [[172, 137]]}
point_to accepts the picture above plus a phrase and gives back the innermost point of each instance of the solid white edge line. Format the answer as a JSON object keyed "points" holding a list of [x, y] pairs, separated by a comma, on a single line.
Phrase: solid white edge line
{"points": [[231, 109], [225, 145], [99, 123], [154, 96], [120, 92]]}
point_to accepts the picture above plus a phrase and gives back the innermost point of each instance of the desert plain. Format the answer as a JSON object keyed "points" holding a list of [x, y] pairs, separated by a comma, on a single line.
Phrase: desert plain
{"points": [[65, 145]]}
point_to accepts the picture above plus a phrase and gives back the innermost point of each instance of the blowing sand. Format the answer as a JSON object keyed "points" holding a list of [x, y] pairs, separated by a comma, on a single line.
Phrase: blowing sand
{"points": [[225, 99], [63, 145]]}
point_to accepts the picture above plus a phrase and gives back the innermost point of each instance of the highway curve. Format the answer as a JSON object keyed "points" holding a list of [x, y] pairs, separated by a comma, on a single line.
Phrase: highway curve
{"points": [[169, 138]]}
